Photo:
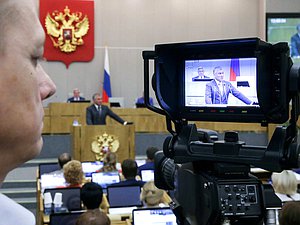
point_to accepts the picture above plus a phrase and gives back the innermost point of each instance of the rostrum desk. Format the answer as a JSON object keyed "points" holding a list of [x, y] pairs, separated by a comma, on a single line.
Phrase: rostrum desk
{"points": [[84, 136]]}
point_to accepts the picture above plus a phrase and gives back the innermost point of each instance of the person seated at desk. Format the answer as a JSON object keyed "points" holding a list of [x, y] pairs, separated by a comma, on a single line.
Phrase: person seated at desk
{"points": [[92, 197], [62, 160], [149, 165], [93, 217], [129, 171], [110, 163], [200, 75], [285, 186], [73, 174], [289, 214], [153, 196], [76, 96], [96, 114], [141, 101]]}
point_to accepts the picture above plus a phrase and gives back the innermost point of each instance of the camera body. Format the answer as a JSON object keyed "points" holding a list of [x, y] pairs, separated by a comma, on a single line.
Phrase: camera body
{"points": [[212, 179], [211, 198]]}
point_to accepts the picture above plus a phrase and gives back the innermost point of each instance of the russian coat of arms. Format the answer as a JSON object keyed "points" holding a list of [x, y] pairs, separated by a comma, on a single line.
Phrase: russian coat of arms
{"points": [[66, 29], [103, 144]]}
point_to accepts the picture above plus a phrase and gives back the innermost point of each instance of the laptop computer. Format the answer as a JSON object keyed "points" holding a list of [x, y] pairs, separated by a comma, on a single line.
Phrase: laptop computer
{"points": [[90, 167], [150, 216], [140, 162], [51, 181], [70, 197], [65, 218], [147, 175], [45, 168], [123, 199], [106, 178]]}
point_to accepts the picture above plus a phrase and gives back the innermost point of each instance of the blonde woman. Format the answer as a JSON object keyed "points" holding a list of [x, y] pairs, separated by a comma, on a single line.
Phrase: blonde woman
{"points": [[73, 173], [154, 197], [285, 186]]}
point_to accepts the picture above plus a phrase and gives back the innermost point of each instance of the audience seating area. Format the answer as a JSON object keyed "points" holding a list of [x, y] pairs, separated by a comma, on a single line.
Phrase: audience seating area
{"points": [[118, 211]]}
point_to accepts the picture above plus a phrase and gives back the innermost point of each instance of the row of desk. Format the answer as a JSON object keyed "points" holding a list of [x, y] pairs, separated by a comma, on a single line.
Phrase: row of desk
{"points": [[59, 118]]}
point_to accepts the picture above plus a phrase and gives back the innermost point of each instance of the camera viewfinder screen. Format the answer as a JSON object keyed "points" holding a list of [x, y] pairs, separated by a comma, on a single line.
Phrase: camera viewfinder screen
{"points": [[221, 83]]}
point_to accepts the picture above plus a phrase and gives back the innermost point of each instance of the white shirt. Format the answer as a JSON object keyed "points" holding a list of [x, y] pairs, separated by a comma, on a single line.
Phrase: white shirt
{"points": [[11, 213], [220, 86], [98, 107]]}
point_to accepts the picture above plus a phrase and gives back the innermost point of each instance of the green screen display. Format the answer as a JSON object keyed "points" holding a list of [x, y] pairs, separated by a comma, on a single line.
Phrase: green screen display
{"points": [[281, 27]]}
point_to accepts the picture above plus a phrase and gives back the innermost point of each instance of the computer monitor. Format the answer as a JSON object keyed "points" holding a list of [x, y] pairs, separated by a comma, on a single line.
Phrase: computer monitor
{"points": [[140, 105], [116, 101], [282, 27], [149, 216], [65, 218], [70, 197], [147, 175], [117, 197], [106, 178], [115, 104], [81, 101], [91, 167]]}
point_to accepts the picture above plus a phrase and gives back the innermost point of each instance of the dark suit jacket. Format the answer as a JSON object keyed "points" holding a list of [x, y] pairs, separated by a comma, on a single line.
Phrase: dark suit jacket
{"points": [[214, 96], [130, 182], [72, 99], [295, 45], [93, 117], [197, 78]]}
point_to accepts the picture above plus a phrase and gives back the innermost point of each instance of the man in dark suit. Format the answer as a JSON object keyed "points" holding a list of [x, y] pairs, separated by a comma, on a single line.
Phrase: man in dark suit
{"points": [[129, 171], [201, 75], [96, 114], [295, 43], [149, 165], [76, 96], [217, 91]]}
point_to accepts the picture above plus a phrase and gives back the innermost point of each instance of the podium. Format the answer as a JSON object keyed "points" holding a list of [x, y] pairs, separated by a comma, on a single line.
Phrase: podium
{"points": [[87, 140]]}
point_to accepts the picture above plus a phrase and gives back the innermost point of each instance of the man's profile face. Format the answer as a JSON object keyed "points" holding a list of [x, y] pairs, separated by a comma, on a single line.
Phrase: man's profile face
{"points": [[98, 100], [23, 83], [219, 74]]}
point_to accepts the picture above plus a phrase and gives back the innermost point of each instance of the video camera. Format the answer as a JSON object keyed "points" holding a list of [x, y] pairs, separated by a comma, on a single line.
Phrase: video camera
{"points": [[212, 179]]}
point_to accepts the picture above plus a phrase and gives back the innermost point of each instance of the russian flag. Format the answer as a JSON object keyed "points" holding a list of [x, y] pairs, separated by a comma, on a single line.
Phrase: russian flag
{"points": [[106, 91], [234, 69]]}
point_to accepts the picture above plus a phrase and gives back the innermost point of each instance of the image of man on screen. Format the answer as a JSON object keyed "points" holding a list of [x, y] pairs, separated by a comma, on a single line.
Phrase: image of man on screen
{"points": [[217, 91], [295, 43], [76, 96], [201, 75]]}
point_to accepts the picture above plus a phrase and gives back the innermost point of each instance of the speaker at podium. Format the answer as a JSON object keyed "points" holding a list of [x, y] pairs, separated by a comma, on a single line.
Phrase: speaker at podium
{"points": [[91, 142]]}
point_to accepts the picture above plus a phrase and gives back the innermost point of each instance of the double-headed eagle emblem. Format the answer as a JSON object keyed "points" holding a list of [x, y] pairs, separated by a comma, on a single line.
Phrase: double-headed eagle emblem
{"points": [[103, 144], [67, 29]]}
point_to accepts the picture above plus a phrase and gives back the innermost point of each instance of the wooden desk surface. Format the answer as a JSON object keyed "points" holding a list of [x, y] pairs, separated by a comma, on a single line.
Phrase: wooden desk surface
{"points": [[59, 118]]}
